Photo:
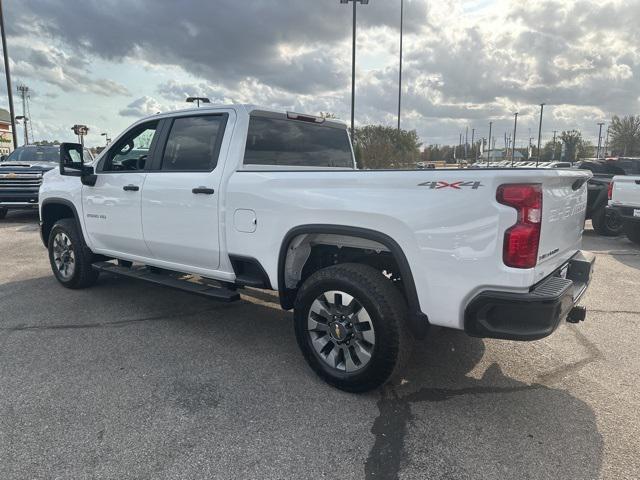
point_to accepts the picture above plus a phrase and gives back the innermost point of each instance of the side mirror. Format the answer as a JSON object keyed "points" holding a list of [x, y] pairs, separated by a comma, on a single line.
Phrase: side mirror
{"points": [[72, 163], [3, 158]]}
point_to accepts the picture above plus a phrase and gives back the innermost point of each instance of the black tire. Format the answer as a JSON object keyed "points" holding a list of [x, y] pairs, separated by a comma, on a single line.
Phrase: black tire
{"points": [[82, 275], [632, 231], [606, 224], [387, 310], [3, 213]]}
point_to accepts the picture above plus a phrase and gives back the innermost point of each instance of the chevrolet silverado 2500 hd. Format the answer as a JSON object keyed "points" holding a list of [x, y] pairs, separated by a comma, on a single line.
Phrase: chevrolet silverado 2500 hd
{"points": [[624, 200], [220, 198], [21, 175]]}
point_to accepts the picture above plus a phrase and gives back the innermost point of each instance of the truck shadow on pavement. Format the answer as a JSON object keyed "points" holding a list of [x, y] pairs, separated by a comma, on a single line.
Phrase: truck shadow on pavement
{"points": [[440, 423], [488, 427]]}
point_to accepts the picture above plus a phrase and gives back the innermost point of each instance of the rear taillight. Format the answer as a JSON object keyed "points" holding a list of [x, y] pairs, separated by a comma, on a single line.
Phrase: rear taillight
{"points": [[610, 191], [521, 241]]}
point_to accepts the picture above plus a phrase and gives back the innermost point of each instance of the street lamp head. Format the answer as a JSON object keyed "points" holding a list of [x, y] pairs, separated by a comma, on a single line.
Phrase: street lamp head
{"points": [[363, 2], [198, 99]]}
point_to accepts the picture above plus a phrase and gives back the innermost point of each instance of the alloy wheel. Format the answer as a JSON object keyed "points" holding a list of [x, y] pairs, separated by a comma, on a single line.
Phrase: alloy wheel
{"points": [[64, 255], [341, 331]]}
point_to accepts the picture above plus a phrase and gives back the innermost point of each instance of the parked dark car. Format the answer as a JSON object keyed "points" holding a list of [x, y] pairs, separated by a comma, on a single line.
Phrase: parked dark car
{"points": [[605, 222], [21, 175]]}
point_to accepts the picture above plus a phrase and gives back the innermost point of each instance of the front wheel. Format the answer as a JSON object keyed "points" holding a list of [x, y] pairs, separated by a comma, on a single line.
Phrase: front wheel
{"points": [[70, 260], [3, 213], [350, 326], [632, 231]]}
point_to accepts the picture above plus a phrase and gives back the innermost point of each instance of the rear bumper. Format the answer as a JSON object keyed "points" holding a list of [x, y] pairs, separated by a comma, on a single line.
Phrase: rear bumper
{"points": [[626, 213], [535, 314]]}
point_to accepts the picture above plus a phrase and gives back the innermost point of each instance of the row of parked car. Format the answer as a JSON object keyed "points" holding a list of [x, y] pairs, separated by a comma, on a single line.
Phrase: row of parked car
{"points": [[509, 164]]}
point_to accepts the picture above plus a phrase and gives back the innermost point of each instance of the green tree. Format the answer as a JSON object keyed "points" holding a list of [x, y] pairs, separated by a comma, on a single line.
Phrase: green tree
{"points": [[572, 140], [377, 146], [625, 135], [547, 151], [586, 149]]}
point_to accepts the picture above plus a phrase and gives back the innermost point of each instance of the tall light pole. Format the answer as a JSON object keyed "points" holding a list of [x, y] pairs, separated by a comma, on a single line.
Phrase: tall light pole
{"points": [[539, 134], [515, 129], [400, 69], [7, 72], [554, 145], [606, 143], [599, 139], [353, 62]]}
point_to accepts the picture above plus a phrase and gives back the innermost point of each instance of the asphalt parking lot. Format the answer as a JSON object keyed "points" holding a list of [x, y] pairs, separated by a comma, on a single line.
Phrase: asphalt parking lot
{"points": [[130, 380]]}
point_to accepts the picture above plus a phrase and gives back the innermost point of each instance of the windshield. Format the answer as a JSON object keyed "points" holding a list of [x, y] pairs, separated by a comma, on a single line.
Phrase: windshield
{"points": [[34, 154]]}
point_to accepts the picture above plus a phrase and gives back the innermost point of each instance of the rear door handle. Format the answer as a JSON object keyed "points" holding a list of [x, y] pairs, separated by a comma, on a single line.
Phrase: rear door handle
{"points": [[204, 190], [131, 188]]}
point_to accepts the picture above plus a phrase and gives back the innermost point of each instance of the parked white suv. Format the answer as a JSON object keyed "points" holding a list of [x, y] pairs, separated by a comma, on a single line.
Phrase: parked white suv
{"points": [[245, 196], [624, 200]]}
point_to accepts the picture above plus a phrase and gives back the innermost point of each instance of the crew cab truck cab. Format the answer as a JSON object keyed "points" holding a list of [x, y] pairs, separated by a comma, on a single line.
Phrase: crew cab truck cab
{"points": [[220, 198], [624, 200]]}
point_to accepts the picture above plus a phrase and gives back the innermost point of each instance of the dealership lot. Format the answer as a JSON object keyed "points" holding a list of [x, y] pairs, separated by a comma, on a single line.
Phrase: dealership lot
{"points": [[131, 380]]}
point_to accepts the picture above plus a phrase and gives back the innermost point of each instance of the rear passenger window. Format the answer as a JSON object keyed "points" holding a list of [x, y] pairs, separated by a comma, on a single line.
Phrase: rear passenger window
{"points": [[281, 142], [194, 143]]}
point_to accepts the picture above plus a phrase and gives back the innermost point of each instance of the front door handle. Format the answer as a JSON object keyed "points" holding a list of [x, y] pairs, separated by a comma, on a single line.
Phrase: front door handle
{"points": [[131, 188], [204, 190]]}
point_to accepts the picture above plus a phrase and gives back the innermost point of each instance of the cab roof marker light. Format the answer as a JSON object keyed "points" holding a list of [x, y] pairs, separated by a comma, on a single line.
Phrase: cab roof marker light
{"points": [[304, 118]]}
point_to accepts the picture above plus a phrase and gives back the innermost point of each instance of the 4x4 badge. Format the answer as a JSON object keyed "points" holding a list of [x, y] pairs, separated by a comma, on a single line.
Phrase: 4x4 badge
{"points": [[440, 184]]}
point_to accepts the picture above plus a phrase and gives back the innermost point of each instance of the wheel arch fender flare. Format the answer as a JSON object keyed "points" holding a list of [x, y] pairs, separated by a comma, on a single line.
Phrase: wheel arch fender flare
{"points": [[418, 321], [44, 224]]}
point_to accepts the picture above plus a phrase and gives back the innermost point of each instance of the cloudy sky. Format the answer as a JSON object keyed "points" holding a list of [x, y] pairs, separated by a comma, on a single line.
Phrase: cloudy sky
{"points": [[107, 63]]}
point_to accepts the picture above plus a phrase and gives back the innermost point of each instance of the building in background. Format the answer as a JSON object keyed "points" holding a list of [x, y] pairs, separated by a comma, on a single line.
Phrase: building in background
{"points": [[6, 139]]}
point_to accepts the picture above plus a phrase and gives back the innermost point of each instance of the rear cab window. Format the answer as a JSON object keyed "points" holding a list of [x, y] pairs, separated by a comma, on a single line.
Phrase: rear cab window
{"points": [[193, 144], [273, 140]]}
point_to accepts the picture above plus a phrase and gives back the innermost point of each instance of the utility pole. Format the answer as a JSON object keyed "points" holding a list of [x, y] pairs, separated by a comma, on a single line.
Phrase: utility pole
{"points": [[554, 145], [7, 72], [489, 144], [24, 92], [473, 145], [606, 143], [515, 129], [599, 139], [466, 141], [400, 69], [539, 133]]}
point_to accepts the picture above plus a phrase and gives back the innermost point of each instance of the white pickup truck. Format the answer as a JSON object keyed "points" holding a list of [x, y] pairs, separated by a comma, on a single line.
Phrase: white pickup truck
{"points": [[624, 200], [216, 199]]}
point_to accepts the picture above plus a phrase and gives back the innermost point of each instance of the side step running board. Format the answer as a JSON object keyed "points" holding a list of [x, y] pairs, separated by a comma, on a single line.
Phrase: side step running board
{"points": [[172, 280]]}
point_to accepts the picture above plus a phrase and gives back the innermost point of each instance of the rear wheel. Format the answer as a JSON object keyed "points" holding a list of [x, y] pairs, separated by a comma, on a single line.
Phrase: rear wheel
{"points": [[632, 231], [70, 259], [350, 326], [607, 224], [3, 213]]}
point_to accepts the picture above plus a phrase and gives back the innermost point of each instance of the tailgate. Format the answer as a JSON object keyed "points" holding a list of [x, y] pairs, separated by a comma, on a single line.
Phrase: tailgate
{"points": [[626, 191], [564, 204]]}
